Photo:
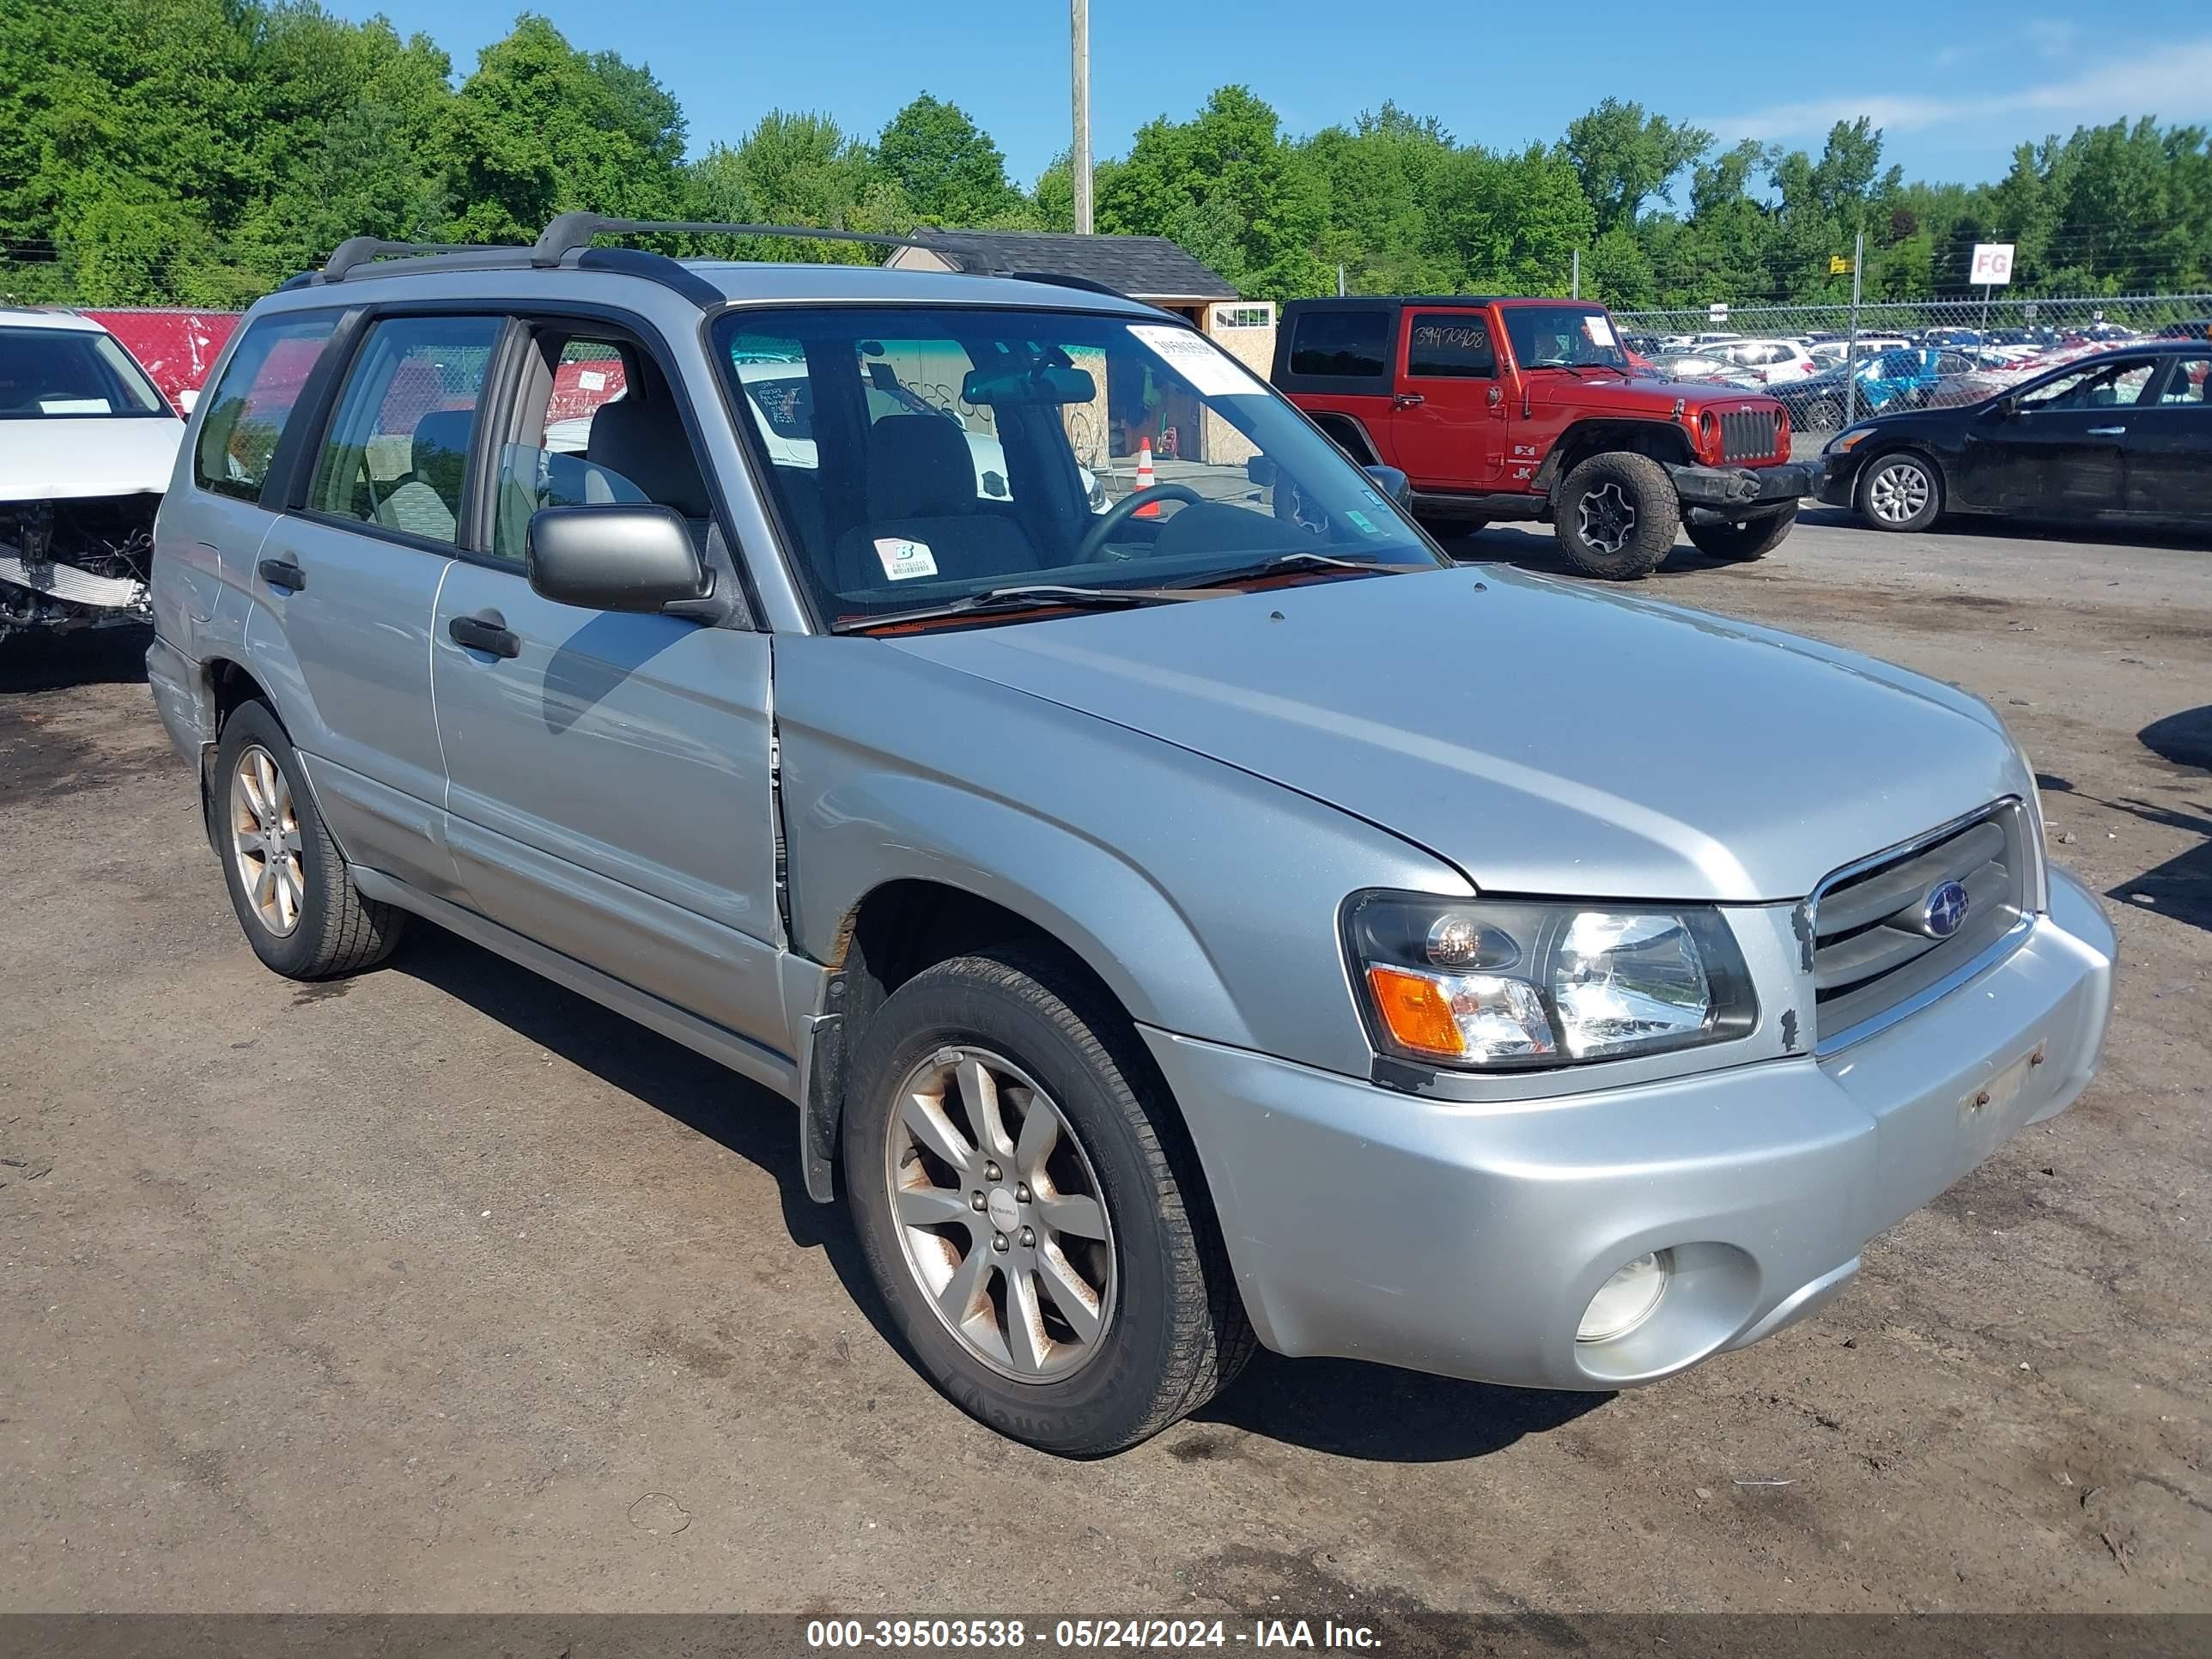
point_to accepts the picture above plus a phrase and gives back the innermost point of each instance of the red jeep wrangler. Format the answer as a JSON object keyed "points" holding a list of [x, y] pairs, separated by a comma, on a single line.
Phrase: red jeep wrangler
{"points": [[1530, 408]]}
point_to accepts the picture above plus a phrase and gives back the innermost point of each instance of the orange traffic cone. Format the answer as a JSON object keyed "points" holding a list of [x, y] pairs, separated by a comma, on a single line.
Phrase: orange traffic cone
{"points": [[1150, 509]]}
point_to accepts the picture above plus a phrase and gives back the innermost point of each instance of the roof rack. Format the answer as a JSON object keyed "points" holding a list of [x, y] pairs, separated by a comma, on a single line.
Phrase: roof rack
{"points": [[571, 232], [357, 251]]}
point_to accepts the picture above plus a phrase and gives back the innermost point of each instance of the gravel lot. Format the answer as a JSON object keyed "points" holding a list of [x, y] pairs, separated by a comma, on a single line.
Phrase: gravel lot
{"points": [[441, 1289]]}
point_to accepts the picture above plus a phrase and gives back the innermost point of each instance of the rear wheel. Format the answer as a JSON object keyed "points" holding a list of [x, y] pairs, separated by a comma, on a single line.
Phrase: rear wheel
{"points": [[1030, 1212], [1822, 414], [288, 881], [1902, 491], [1753, 539], [1617, 516]]}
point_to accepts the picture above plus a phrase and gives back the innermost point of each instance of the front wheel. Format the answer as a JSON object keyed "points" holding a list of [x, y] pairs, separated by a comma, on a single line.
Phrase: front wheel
{"points": [[1617, 516], [1900, 492], [1030, 1211], [1753, 539]]}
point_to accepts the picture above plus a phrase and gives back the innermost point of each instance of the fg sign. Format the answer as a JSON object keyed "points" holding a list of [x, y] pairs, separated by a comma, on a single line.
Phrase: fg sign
{"points": [[1992, 264]]}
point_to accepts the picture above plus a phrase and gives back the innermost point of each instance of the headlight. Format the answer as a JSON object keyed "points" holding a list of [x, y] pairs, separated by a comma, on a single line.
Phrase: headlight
{"points": [[1496, 985], [1849, 438]]}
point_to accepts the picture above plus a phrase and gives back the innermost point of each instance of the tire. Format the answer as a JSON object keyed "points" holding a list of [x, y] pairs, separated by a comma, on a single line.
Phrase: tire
{"points": [[331, 929], [1823, 415], [1165, 1329], [1753, 539], [1618, 495], [1901, 491]]}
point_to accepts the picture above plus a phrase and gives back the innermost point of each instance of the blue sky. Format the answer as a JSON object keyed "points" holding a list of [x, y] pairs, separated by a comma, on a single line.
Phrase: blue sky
{"points": [[1956, 83]]}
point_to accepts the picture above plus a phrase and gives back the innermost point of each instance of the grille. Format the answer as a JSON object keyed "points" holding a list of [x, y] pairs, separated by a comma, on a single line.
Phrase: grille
{"points": [[1872, 952], [1750, 434]]}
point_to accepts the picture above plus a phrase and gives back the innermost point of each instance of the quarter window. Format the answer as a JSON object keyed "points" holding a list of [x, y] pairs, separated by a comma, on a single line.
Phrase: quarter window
{"points": [[396, 454], [245, 413], [2188, 382], [1344, 345], [1447, 345]]}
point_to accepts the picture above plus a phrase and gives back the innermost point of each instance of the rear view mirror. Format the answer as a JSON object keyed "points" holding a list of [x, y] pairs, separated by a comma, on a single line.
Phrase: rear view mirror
{"points": [[1260, 470], [615, 558], [1393, 483], [1043, 383]]}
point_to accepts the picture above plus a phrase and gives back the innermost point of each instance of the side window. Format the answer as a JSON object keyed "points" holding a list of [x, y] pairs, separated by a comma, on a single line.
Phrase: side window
{"points": [[397, 451], [1446, 345], [607, 432], [246, 412], [2190, 381], [1346, 344], [2104, 388]]}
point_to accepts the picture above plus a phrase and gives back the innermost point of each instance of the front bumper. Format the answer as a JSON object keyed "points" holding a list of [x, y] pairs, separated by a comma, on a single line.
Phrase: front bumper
{"points": [[1467, 1239], [1838, 478], [1733, 488]]}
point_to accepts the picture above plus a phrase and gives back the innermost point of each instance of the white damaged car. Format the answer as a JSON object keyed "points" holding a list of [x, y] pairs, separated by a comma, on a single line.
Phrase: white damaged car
{"points": [[87, 446]]}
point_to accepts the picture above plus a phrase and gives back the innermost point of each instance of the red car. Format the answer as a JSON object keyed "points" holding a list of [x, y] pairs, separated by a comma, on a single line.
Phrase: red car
{"points": [[1533, 409]]}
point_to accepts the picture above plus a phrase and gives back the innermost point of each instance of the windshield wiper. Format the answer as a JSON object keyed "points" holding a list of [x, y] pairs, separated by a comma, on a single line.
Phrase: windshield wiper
{"points": [[1027, 596], [1577, 368], [1288, 561]]}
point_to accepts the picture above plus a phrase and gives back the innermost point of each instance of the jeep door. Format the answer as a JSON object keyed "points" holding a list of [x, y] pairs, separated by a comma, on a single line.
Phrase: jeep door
{"points": [[608, 791], [345, 583], [1447, 417]]}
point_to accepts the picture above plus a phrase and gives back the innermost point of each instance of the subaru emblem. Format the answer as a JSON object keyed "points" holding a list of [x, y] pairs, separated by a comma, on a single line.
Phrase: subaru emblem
{"points": [[1943, 912]]}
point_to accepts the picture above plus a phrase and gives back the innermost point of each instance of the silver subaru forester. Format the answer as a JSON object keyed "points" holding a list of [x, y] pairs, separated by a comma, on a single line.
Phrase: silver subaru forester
{"points": [[1185, 909]]}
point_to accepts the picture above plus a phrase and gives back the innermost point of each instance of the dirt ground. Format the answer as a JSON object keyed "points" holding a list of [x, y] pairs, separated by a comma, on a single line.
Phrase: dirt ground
{"points": [[439, 1288]]}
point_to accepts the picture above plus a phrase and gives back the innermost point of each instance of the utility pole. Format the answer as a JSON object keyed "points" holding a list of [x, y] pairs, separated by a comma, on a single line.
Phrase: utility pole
{"points": [[1079, 160], [1574, 281], [1851, 351]]}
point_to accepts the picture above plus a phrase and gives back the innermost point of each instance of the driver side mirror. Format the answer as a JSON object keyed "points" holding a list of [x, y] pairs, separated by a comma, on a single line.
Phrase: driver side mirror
{"points": [[1393, 483], [626, 558]]}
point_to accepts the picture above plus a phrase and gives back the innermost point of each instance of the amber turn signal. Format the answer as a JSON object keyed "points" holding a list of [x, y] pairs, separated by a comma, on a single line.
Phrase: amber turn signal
{"points": [[1415, 1012]]}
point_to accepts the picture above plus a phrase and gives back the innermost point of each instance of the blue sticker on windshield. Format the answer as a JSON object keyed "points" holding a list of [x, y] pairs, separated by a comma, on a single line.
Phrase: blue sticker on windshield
{"points": [[1372, 497], [1361, 522]]}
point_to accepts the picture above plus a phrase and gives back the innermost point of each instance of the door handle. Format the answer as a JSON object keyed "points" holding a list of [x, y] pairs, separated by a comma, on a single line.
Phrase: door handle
{"points": [[2107, 431], [1408, 400], [487, 633], [283, 572]]}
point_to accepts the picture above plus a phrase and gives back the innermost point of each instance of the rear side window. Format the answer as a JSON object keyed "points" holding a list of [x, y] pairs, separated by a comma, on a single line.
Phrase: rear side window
{"points": [[246, 414], [396, 453], [1446, 345], [1344, 345]]}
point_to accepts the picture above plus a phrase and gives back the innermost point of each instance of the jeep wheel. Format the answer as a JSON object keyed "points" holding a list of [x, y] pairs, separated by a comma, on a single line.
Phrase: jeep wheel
{"points": [[1902, 491], [1030, 1211], [1617, 516], [287, 880], [1753, 539]]}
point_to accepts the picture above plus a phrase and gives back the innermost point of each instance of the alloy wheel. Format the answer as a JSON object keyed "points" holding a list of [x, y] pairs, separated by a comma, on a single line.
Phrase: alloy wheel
{"points": [[1899, 492], [1000, 1215], [264, 840], [1608, 517]]}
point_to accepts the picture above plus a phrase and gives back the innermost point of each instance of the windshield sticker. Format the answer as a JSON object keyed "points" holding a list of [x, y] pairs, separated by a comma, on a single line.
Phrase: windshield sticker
{"points": [[902, 560], [1362, 523], [74, 406], [1374, 498], [1211, 372], [1599, 329], [592, 379]]}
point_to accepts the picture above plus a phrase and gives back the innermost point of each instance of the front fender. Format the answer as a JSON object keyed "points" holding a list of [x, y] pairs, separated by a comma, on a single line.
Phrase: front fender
{"points": [[1206, 898]]}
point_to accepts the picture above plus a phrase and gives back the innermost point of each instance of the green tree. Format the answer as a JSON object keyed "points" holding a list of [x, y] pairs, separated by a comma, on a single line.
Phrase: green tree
{"points": [[1624, 157], [542, 129], [946, 166]]}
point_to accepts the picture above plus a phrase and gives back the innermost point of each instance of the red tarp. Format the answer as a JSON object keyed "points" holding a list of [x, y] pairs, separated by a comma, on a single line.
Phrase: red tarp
{"points": [[177, 348]]}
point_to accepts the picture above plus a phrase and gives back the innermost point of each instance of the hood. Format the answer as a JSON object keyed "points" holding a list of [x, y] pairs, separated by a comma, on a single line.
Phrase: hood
{"points": [[1641, 396], [55, 458], [1545, 738]]}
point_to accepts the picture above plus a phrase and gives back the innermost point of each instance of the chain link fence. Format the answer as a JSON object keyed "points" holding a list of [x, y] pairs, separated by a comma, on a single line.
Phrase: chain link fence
{"points": [[1830, 364]]}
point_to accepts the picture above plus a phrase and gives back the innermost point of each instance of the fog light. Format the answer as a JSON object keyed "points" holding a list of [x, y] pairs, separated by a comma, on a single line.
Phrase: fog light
{"points": [[1626, 1300]]}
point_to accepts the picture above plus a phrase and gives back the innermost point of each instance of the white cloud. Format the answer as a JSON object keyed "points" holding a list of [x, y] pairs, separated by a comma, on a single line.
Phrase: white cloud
{"points": [[2173, 81]]}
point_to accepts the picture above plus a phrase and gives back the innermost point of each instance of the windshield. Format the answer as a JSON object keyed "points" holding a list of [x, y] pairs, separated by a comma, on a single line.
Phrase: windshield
{"points": [[918, 456], [1562, 336], [52, 374]]}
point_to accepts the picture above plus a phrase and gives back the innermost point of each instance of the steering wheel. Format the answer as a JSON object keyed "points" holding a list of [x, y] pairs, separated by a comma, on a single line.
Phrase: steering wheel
{"points": [[1115, 516]]}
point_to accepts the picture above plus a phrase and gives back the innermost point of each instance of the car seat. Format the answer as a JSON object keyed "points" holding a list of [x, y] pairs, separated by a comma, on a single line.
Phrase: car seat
{"points": [[921, 487], [427, 502]]}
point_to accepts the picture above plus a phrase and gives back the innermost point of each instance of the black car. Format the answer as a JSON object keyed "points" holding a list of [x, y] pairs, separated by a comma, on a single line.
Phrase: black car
{"points": [[2125, 435]]}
